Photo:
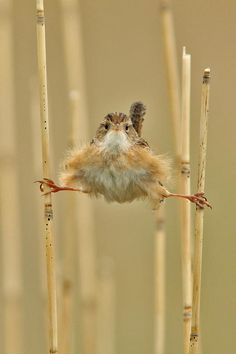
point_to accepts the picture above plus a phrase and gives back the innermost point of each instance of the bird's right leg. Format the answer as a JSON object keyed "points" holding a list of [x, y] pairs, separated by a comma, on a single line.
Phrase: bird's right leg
{"points": [[199, 199], [54, 188]]}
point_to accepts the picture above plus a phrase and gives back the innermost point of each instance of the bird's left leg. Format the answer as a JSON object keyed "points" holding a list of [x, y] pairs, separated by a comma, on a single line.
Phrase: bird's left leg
{"points": [[54, 188]]}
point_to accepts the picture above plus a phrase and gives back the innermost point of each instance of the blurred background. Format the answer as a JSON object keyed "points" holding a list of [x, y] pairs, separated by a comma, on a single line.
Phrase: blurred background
{"points": [[123, 60]]}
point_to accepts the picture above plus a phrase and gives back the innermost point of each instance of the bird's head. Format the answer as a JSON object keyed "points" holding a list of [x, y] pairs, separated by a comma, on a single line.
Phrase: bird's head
{"points": [[116, 133]]}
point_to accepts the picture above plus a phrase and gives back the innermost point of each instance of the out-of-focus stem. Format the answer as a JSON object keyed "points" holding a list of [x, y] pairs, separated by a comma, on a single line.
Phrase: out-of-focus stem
{"points": [[106, 308], [172, 69], [9, 193], [71, 21], [160, 274]]}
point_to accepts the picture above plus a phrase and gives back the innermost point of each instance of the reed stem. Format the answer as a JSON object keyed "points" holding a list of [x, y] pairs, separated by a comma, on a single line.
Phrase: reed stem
{"points": [[172, 69], [197, 263], [74, 58], [106, 308], [37, 170], [185, 206], [10, 225], [160, 255], [160, 237], [48, 209], [69, 246], [86, 245], [11, 256], [38, 220]]}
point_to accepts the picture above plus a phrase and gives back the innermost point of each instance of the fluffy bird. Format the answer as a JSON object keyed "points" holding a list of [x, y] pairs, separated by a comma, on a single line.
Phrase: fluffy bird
{"points": [[119, 165]]}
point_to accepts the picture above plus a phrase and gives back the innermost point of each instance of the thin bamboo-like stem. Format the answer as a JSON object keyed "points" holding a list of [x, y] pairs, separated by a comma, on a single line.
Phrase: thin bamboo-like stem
{"points": [[86, 270], [74, 58], [185, 206], [37, 166], [66, 316], [160, 238], [160, 252], [11, 259], [106, 308], [37, 170], [69, 245], [48, 209], [11, 256], [197, 263], [86, 246], [172, 69]]}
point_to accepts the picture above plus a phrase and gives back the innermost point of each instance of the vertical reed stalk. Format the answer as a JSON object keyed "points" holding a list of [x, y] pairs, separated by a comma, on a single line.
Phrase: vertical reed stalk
{"points": [[86, 246], [9, 194], [106, 309], [160, 238], [11, 257], [66, 316], [197, 263], [74, 57], [185, 206], [48, 209], [11, 254], [69, 247], [37, 171], [37, 164], [87, 274], [160, 253], [172, 69]]}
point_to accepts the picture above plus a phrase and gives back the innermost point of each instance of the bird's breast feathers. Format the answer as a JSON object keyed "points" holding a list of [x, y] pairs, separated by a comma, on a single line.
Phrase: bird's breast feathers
{"points": [[118, 171], [115, 180], [114, 143]]}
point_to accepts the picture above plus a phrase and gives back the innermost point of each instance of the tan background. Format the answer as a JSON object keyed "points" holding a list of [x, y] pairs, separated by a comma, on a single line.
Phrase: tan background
{"points": [[125, 62]]}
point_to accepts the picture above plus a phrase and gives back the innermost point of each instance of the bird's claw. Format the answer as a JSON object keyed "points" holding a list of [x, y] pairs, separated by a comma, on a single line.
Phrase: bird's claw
{"points": [[54, 188], [51, 184], [200, 200]]}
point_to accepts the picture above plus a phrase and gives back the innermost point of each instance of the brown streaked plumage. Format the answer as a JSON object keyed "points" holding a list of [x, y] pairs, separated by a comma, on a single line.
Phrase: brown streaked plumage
{"points": [[119, 164]]}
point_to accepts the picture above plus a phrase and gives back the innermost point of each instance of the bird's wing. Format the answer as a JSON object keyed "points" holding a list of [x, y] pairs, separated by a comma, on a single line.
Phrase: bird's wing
{"points": [[143, 143], [137, 112]]}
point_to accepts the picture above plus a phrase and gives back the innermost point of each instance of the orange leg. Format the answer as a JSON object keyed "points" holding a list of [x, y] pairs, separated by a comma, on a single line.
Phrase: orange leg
{"points": [[54, 188], [197, 198]]}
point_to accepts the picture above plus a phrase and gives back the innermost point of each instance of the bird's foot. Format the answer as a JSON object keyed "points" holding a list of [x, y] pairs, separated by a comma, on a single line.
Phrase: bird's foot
{"points": [[199, 199], [54, 188]]}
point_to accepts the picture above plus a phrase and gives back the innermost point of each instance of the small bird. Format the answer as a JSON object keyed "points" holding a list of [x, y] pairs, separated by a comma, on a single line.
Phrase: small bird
{"points": [[119, 165]]}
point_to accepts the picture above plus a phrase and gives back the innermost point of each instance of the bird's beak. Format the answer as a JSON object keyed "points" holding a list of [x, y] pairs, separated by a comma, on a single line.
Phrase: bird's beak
{"points": [[117, 127]]}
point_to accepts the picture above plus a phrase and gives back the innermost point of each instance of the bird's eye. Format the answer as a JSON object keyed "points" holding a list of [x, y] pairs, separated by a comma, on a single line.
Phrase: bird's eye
{"points": [[127, 127], [106, 126]]}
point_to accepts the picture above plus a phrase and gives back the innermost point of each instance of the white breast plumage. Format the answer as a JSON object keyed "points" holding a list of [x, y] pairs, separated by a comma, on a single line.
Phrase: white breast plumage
{"points": [[115, 184], [113, 179], [115, 142]]}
